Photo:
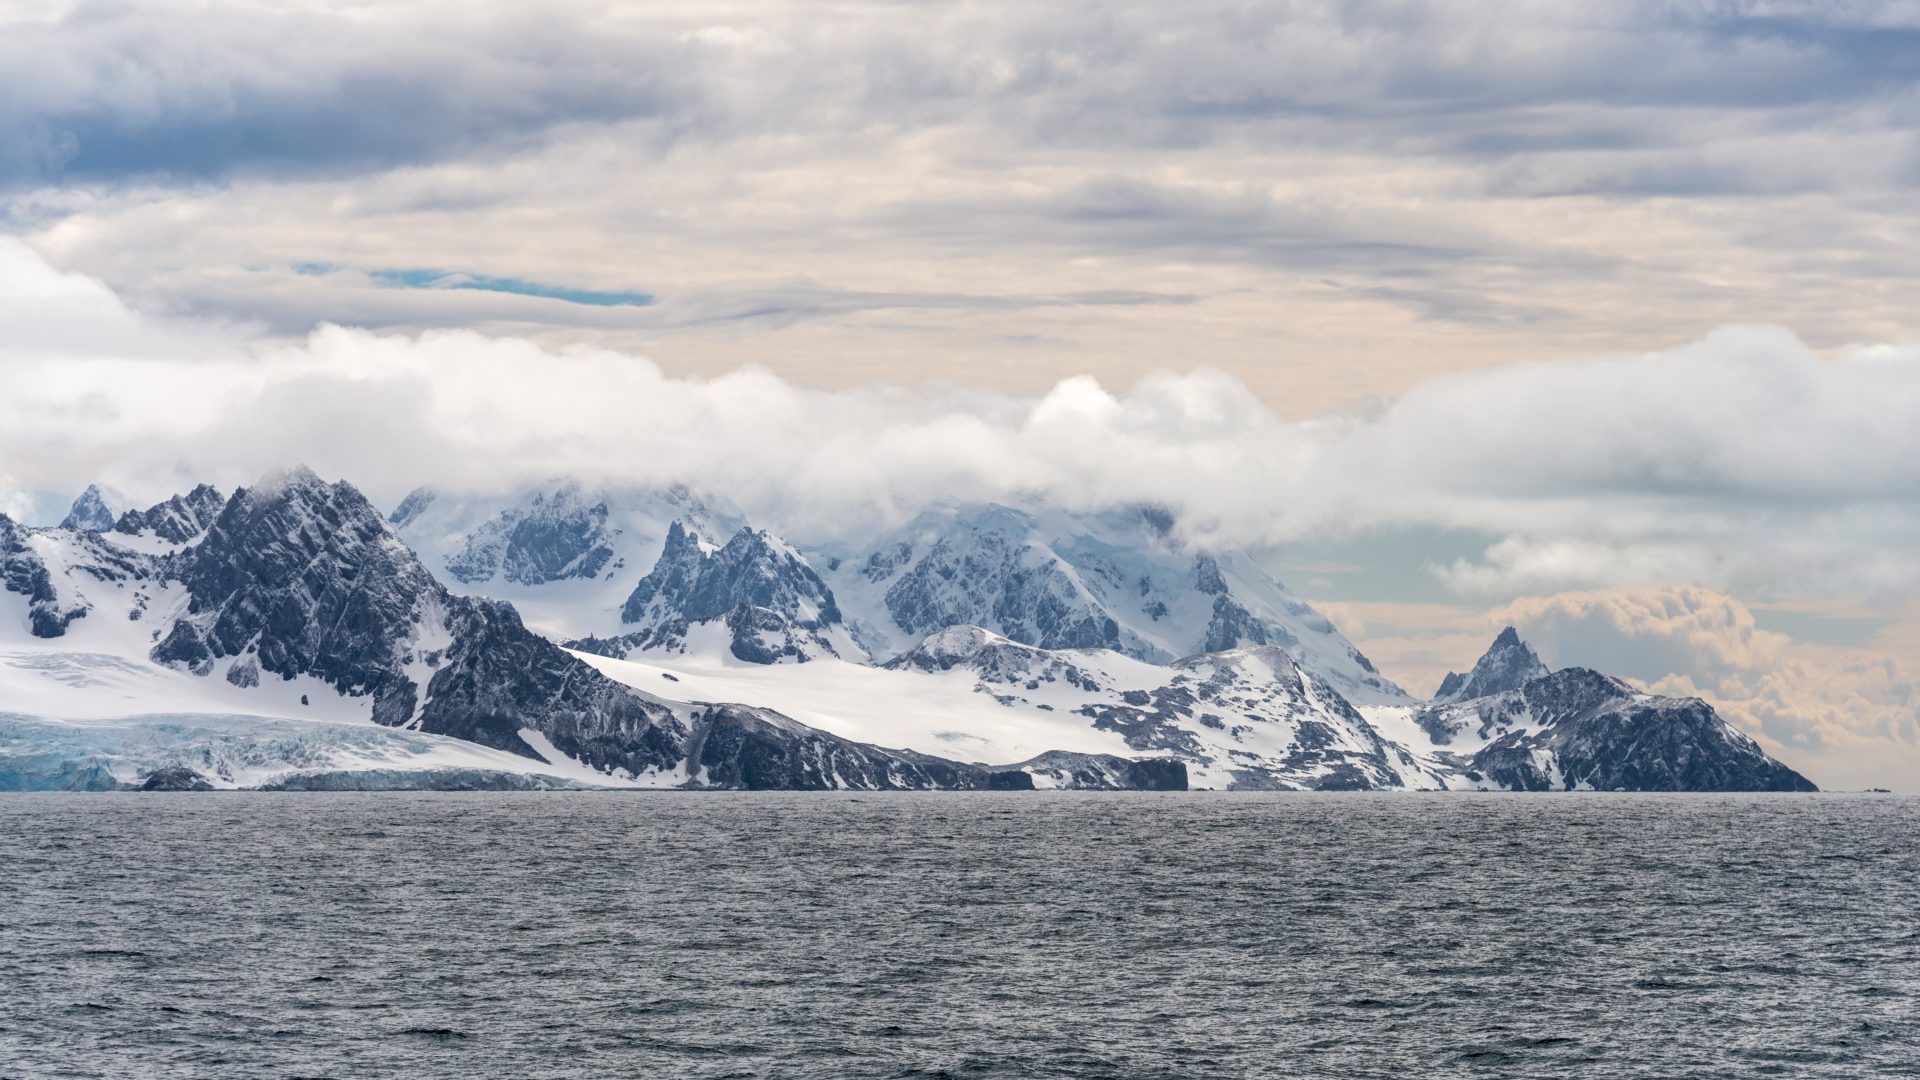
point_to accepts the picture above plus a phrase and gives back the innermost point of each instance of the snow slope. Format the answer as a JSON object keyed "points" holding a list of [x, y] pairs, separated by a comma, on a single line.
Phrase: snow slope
{"points": [[1247, 718], [938, 715]]}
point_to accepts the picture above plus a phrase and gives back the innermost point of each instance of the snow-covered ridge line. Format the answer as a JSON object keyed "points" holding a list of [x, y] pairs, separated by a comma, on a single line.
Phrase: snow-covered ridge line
{"points": [[979, 647]]}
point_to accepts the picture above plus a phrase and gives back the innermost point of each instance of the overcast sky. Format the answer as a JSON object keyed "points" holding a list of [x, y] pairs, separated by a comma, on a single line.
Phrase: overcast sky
{"points": [[1594, 317]]}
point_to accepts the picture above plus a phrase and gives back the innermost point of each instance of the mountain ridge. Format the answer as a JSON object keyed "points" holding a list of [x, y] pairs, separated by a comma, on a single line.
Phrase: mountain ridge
{"points": [[297, 588]]}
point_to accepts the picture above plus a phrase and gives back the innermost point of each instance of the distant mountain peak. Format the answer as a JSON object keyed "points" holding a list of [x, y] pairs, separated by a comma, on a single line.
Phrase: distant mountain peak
{"points": [[774, 606], [1508, 664], [1578, 728], [412, 507], [287, 479], [178, 519], [90, 512]]}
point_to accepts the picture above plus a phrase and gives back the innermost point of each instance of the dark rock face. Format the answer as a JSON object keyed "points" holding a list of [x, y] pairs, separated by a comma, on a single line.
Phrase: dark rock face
{"points": [[175, 778], [1105, 772], [305, 576], [299, 577], [23, 571], [738, 747], [89, 512], [1233, 627], [1508, 664], [177, 520], [774, 605], [1579, 728], [499, 677], [733, 746], [555, 536]]}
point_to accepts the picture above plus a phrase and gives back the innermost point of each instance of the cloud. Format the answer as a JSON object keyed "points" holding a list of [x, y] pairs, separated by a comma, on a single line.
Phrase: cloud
{"points": [[1742, 461], [1849, 716], [50, 316], [104, 91], [110, 92], [1353, 195], [293, 300]]}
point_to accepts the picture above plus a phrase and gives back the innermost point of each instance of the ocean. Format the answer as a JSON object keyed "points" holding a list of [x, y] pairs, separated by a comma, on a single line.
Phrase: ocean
{"points": [[958, 935]]}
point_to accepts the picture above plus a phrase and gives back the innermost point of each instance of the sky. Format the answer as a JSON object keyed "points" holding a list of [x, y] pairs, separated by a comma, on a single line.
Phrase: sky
{"points": [[1598, 319]]}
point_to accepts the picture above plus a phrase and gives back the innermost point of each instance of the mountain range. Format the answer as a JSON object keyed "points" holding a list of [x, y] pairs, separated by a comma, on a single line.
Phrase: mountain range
{"points": [[292, 635]]}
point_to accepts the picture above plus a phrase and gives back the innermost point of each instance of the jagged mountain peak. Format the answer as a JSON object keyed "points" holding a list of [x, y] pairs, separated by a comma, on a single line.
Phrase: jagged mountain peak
{"points": [[90, 512], [1508, 664], [767, 600], [566, 552], [411, 507], [299, 577], [178, 519], [1579, 728]]}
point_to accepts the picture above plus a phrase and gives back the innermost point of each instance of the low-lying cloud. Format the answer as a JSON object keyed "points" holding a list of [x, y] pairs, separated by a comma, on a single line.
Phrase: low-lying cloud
{"points": [[1741, 459]]}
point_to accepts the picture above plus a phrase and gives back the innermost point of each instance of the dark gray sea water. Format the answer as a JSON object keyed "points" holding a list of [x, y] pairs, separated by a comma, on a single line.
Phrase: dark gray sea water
{"points": [[962, 935]]}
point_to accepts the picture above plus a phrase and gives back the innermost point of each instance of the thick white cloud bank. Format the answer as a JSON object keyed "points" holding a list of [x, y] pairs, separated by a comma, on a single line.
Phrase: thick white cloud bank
{"points": [[1740, 460], [1743, 462]]}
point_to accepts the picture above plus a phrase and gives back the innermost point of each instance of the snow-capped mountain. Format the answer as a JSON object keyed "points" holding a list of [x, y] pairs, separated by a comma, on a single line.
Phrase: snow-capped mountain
{"points": [[1057, 580], [756, 593], [1577, 728], [297, 579], [1243, 717], [90, 512], [1508, 664], [178, 519], [1054, 579], [1535, 730], [288, 635], [52, 571], [298, 589], [565, 555]]}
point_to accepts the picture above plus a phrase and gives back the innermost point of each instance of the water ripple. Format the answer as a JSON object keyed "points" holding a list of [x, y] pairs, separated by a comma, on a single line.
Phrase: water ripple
{"points": [[958, 935]]}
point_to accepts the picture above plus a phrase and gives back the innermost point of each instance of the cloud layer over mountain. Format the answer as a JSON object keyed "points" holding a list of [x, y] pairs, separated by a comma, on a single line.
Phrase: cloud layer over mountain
{"points": [[1740, 459]]}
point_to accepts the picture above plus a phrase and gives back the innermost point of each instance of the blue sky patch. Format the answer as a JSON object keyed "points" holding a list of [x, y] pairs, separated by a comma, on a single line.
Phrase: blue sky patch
{"points": [[449, 279]]}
